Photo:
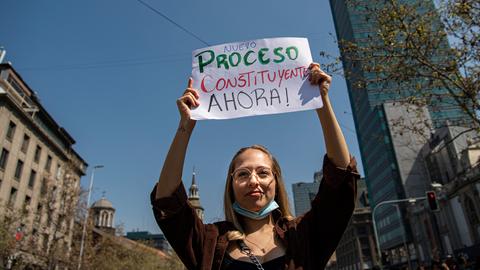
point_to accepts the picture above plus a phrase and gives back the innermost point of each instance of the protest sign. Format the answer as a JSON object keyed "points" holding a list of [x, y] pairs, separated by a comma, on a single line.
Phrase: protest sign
{"points": [[257, 77]]}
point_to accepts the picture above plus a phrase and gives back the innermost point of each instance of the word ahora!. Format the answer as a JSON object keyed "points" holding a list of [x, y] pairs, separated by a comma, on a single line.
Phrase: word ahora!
{"points": [[243, 100], [226, 61]]}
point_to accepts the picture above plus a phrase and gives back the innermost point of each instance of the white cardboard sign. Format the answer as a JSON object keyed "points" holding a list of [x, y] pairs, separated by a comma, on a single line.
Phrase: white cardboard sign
{"points": [[256, 77]]}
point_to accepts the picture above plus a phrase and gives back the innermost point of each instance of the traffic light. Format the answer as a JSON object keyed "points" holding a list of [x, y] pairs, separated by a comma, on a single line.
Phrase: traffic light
{"points": [[432, 200]]}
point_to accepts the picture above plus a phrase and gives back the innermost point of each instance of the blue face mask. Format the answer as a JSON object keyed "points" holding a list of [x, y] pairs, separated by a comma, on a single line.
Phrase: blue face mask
{"points": [[263, 213]]}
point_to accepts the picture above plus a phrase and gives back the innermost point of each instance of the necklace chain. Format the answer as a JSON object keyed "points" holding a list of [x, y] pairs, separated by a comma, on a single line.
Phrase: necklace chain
{"points": [[262, 249], [247, 251]]}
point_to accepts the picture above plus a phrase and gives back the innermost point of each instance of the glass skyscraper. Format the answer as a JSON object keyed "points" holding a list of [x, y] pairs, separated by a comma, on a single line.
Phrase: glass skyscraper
{"points": [[379, 154]]}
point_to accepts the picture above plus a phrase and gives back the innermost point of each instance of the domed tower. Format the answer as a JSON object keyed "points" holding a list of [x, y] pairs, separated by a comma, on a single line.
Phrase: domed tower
{"points": [[194, 198], [103, 213]]}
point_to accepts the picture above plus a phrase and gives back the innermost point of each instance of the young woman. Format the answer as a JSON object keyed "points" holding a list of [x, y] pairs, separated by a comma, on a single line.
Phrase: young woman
{"points": [[259, 231]]}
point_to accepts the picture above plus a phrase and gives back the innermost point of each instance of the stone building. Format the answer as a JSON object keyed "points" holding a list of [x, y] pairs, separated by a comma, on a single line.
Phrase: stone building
{"points": [[103, 215], [357, 248], [39, 170], [452, 160]]}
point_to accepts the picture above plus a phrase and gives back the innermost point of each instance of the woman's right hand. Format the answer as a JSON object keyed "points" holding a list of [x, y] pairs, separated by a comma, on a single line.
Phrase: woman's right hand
{"points": [[188, 100]]}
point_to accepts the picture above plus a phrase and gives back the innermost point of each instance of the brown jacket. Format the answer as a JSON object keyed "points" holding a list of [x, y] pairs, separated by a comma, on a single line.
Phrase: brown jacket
{"points": [[309, 239]]}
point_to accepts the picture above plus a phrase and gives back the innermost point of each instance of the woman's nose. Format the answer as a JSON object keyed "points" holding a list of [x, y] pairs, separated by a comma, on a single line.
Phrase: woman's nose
{"points": [[253, 180]]}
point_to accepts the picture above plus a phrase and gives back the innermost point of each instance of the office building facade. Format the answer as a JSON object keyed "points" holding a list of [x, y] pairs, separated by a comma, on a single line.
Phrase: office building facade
{"points": [[304, 193]]}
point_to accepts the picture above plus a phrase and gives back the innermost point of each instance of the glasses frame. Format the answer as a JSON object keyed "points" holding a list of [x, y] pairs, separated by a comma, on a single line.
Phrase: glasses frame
{"points": [[272, 173]]}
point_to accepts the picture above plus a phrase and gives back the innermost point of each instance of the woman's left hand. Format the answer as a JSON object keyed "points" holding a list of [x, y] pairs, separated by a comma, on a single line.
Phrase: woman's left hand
{"points": [[320, 78]]}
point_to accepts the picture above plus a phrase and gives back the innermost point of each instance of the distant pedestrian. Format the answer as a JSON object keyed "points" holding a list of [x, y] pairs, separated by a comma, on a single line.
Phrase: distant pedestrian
{"points": [[477, 263], [461, 262], [435, 265], [451, 262]]}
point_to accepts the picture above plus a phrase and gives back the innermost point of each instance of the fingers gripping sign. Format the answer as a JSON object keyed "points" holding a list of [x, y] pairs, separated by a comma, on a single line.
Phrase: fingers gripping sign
{"points": [[185, 103], [320, 78]]}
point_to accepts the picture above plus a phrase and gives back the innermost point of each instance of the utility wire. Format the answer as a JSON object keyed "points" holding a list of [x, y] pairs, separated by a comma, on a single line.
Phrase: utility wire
{"points": [[173, 22], [110, 64]]}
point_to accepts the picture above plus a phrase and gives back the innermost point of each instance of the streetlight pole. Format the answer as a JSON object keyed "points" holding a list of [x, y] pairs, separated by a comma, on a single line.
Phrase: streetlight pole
{"points": [[379, 251], [86, 215], [403, 236]]}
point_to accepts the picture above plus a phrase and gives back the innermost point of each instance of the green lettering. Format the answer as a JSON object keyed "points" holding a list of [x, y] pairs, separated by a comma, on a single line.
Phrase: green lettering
{"points": [[203, 64], [245, 58], [222, 60], [277, 52], [230, 59], [289, 50], [261, 55]]}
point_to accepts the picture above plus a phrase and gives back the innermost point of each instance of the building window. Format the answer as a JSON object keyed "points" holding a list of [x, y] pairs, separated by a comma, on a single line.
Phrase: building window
{"points": [[15, 85], [45, 241], [13, 196], [59, 172], [27, 202], [26, 141], [19, 169], [11, 131], [48, 165], [39, 211], [4, 159], [43, 188], [31, 180], [54, 193], [38, 152]]}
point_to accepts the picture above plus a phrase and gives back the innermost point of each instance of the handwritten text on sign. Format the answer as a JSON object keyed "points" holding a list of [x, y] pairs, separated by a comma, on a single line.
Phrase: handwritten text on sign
{"points": [[256, 77]]}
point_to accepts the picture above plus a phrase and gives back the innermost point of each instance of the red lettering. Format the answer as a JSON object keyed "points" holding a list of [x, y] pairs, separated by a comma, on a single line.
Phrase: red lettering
{"points": [[231, 82], [263, 77], [218, 82], [287, 74], [274, 76], [202, 85], [241, 81]]}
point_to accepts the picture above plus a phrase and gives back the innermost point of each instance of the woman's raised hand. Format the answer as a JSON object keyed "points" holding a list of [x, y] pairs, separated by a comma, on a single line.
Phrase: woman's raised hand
{"points": [[188, 100], [318, 76]]}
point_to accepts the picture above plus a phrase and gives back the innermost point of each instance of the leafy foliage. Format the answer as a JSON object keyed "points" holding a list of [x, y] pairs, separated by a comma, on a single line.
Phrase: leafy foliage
{"points": [[424, 54]]}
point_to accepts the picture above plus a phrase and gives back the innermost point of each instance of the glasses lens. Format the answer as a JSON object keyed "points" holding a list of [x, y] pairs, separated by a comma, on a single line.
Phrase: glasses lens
{"points": [[264, 173], [242, 174]]}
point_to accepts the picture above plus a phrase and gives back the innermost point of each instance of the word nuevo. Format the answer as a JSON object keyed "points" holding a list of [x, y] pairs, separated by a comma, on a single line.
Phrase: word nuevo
{"points": [[226, 61], [239, 46]]}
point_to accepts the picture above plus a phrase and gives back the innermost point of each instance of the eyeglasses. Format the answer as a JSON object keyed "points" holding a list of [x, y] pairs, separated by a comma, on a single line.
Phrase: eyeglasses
{"points": [[243, 174]]}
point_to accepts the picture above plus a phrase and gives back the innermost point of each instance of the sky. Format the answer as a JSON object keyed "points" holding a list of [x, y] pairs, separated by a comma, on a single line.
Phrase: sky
{"points": [[110, 72]]}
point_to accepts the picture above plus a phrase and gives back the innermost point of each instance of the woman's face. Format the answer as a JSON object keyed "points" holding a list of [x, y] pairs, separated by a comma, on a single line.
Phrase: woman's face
{"points": [[253, 180]]}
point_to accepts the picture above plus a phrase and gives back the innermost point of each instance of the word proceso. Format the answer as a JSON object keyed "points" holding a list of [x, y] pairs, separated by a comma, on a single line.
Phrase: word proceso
{"points": [[234, 59]]}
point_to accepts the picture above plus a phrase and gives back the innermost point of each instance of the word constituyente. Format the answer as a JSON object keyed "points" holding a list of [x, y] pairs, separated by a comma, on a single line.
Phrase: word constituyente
{"points": [[234, 59]]}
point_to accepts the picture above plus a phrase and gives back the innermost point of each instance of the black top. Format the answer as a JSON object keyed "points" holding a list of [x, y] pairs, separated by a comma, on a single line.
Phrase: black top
{"points": [[230, 263]]}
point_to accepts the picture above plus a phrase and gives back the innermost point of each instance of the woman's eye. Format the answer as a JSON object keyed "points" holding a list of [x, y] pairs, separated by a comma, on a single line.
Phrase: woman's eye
{"points": [[243, 174], [264, 173]]}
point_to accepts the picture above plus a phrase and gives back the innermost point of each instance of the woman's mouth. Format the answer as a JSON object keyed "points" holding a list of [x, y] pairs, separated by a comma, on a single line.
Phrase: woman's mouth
{"points": [[255, 193]]}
